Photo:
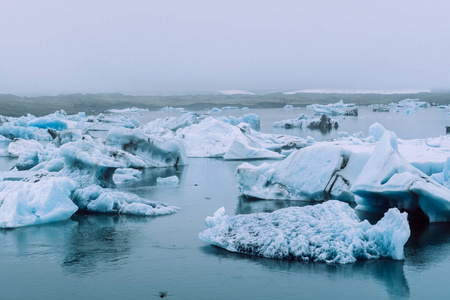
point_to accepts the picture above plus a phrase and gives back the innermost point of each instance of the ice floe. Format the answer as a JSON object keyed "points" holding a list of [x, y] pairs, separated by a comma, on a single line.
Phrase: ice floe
{"points": [[323, 123], [377, 175], [330, 232], [30, 203], [335, 109], [172, 180], [215, 138], [128, 110]]}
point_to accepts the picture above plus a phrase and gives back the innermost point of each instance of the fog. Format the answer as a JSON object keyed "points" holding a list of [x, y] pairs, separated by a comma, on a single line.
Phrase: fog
{"points": [[174, 47]]}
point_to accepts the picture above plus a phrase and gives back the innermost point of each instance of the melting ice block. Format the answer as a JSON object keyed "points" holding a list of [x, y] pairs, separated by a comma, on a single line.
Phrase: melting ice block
{"points": [[389, 180], [104, 200], [27, 203], [172, 180], [312, 173], [330, 232]]}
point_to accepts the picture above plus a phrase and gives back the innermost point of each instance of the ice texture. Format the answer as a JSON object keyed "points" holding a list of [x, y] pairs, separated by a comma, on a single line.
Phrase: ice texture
{"points": [[215, 138], [93, 198], [389, 180], [330, 232], [155, 152], [127, 110], [31, 203], [172, 180], [251, 119], [298, 177], [334, 109], [376, 175]]}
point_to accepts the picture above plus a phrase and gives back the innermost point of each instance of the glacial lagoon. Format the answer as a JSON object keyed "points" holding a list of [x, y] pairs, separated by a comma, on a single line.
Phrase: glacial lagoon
{"points": [[129, 257]]}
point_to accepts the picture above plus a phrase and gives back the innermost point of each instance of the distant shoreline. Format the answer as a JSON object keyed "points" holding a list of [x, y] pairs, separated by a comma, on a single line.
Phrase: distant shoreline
{"points": [[11, 105]]}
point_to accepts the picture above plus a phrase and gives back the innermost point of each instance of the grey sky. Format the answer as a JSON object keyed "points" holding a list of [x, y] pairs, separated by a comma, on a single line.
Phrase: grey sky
{"points": [[165, 47]]}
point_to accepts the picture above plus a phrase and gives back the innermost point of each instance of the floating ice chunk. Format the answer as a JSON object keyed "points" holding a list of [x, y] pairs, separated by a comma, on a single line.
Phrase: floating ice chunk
{"points": [[49, 122], [324, 123], [103, 123], [95, 199], [214, 138], [126, 174], [26, 203], [172, 180], [245, 108], [127, 110], [288, 106], [18, 146], [330, 232], [376, 130], [12, 131], [389, 180], [335, 109], [170, 123], [313, 173], [27, 160], [229, 108], [239, 150], [215, 110], [444, 177], [170, 108], [251, 119], [412, 103], [155, 152]]}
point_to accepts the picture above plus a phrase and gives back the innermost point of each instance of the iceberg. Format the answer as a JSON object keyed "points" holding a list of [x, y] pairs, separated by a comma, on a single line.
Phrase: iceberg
{"points": [[126, 174], [215, 138], [170, 123], [335, 109], [155, 152], [298, 177], [105, 200], [389, 180], [330, 232], [128, 110], [376, 175], [31, 203], [92, 168], [251, 119], [172, 180]]}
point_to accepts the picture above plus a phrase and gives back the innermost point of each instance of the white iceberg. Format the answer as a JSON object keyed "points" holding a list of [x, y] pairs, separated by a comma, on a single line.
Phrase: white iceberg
{"points": [[105, 200], [323, 123], [251, 119], [389, 180], [126, 174], [128, 110], [330, 232], [170, 123], [172, 180], [27, 203], [313, 173], [215, 138], [154, 151], [335, 109], [377, 176]]}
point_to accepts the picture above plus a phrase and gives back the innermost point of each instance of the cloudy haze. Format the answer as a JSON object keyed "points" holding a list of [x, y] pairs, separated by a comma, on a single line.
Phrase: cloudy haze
{"points": [[168, 47]]}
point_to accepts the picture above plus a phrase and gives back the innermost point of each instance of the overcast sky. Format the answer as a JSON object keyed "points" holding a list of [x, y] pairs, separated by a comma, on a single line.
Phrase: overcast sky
{"points": [[169, 47]]}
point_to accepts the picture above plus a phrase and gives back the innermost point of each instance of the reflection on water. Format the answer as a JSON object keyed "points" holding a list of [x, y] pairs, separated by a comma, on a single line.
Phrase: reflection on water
{"points": [[148, 177], [246, 205], [388, 272], [428, 245], [99, 239]]}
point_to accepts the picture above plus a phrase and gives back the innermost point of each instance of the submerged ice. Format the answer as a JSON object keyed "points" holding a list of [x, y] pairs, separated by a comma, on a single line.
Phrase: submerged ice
{"points": [[330, 232]]}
